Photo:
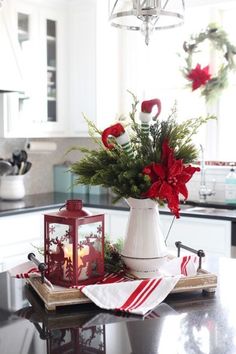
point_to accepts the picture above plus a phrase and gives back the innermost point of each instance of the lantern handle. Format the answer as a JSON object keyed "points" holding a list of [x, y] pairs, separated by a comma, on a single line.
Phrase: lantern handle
{"points": [[41, 266]]}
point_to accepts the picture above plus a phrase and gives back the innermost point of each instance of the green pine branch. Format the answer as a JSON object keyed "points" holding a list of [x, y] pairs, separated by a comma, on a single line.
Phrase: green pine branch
{"points": [[115, 169]]}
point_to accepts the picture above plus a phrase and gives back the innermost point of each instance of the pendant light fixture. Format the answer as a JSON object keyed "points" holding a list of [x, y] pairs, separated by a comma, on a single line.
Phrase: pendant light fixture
{"points": [[146, 15]]}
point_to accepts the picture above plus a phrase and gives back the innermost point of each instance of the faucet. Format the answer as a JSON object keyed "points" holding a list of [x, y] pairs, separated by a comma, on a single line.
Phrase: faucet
{"points": [[204, 191]]}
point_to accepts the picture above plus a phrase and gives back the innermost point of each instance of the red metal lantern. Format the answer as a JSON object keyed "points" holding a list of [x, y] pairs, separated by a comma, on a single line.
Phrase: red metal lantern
{"points": [[73, 245]]}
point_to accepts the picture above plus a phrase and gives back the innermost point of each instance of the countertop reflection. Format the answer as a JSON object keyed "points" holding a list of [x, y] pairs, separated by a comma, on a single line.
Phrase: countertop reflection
{"points": [[185, 323]]}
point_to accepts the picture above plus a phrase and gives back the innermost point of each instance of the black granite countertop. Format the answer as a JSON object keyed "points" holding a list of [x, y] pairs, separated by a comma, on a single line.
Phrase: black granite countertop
{"points": [[185, 323], [46, 201]]}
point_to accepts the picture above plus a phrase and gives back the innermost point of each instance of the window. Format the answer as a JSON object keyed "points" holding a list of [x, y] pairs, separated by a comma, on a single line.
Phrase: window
{"points": [[154, 71]]}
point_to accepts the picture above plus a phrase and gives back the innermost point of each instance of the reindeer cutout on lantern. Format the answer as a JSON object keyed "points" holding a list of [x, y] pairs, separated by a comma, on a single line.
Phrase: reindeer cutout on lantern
{"points": [[91, 261], [56, 255], [56, 258]]}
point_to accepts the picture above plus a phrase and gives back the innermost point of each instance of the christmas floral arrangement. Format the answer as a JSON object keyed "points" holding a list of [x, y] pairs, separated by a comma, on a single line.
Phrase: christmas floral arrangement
{"points": [[202, 78], [146, 159]]}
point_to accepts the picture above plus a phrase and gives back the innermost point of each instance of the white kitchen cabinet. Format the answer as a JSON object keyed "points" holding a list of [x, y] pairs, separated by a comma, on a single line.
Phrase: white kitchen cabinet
{"points": [[211, 235], [42, 110], [20, 234], [10, 73], [68, 71], [82, 63], [93, 66]]}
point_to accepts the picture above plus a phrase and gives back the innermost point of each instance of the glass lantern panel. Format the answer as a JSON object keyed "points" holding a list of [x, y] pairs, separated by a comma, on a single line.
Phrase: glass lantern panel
{"points": [[90, 257], [60, 252]]}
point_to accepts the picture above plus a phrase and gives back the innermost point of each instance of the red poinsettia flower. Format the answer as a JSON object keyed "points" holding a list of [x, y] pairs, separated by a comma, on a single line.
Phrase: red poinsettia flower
{"points": [[199, 76], [169, 179]]}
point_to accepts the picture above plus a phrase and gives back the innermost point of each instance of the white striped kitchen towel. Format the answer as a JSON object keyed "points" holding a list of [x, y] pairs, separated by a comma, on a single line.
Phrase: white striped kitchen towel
{"points": [[132, 296], [27, 270], [121, 293], [139, 297], [24, 271]]}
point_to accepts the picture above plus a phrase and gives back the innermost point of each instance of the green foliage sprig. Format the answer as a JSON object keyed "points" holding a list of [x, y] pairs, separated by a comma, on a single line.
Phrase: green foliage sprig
{"points": [[116, 170], [112, 256]]}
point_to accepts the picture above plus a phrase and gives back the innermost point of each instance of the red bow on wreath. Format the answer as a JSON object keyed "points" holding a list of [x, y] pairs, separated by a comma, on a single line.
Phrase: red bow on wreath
{"points": [[199, 76]]}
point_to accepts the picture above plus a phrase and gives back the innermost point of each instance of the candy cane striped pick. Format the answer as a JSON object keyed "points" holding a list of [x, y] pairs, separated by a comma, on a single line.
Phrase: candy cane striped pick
{"points": [[118, 132], [146, 113]]}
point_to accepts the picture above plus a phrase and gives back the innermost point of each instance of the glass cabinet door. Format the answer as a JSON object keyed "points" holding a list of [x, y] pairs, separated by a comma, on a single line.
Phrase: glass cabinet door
{"points": [[51, 70], [40, 74], [53, 34], [24, 38], [42, 109], [39, 102], [23, 28]]}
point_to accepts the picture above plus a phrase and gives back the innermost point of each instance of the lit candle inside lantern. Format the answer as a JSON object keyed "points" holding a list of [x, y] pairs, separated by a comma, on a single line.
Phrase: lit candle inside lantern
{"points": [[68, 254]]}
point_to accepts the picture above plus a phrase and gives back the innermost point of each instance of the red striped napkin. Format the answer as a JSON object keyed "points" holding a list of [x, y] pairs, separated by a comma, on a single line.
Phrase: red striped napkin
{"points": [[24, 271], [27, 270], [122, 293], [132, 296]]}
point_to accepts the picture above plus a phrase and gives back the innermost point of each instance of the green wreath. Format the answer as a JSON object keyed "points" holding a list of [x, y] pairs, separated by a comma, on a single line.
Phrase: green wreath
{"points": [[201, 77]]}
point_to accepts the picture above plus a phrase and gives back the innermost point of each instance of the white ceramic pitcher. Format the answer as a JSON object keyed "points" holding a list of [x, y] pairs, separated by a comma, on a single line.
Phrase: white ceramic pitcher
{"points": [[144, 247]]}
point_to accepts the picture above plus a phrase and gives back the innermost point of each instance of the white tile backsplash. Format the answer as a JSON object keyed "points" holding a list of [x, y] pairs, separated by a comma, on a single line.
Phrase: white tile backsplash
{"points": [[40, 177]]}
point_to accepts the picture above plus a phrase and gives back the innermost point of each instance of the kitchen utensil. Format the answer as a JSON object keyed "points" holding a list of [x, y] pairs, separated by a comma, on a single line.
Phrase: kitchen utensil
{"points": [[19, 156], [5, 168], [15, 170], [27, 167], [22, 167]]}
